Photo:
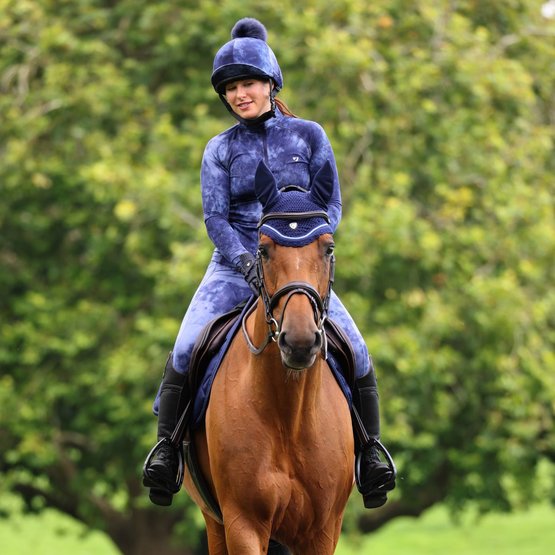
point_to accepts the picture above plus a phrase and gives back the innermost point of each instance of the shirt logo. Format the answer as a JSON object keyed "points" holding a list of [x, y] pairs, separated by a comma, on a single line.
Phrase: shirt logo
{"points": [[296, 158]]}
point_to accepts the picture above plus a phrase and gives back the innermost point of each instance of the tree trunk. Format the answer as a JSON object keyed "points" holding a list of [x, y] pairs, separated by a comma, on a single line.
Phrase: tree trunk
{"points": [[148, 532]]}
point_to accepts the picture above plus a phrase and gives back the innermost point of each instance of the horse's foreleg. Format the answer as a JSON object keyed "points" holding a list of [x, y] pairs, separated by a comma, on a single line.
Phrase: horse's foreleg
{"points": [[216, 537], [322, 543], [315, 548], [243, 537]]}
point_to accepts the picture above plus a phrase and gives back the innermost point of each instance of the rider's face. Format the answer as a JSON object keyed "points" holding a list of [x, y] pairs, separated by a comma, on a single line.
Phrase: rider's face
{"points": [[248, 98]]}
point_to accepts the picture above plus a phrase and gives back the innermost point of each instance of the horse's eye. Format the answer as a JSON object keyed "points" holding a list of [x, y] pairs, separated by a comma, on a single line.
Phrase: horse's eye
{"points": [[263, 252], [330, 250]]}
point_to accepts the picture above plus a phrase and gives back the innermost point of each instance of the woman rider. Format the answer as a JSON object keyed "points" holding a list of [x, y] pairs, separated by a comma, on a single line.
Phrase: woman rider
{"points": [[247, 77]]}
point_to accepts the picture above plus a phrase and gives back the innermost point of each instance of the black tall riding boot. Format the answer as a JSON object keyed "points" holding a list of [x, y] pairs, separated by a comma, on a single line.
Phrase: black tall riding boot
{"points": [[374, 477], [162, 464]]}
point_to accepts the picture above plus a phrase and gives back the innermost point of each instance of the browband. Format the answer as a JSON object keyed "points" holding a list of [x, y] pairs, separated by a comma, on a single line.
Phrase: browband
{"points": [[293, 216]]}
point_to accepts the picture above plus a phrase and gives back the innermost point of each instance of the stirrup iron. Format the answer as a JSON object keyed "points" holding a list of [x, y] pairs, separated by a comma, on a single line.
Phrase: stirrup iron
{"points": [[180, 463], [377, 444]]}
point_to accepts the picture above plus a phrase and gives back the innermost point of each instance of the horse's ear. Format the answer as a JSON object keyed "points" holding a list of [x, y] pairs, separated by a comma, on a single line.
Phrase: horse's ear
{"points": [[265, 185], [322, 185]]}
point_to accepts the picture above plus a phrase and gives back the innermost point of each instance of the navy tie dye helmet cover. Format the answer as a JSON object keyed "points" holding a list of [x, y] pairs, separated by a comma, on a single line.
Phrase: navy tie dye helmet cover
{"points": [[246, 55], [294, 217]]}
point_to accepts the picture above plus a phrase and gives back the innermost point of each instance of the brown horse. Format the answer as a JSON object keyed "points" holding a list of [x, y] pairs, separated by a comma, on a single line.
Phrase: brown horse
{"points": [[277, 446]]}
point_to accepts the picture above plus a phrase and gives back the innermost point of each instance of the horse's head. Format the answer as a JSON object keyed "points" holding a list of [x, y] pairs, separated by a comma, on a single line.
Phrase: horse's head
{"points": [[295, 263]]}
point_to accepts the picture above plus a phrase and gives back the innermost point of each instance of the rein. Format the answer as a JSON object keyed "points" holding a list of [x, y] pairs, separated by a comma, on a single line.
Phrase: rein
{"points": [[320, 306]]}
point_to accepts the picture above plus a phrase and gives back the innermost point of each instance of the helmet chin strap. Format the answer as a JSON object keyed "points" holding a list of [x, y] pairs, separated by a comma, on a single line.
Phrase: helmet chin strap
{"points": [[252, 122]]}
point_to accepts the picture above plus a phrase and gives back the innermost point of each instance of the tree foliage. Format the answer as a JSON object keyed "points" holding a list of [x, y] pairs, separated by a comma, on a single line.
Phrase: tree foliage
{"points": [[441, 114]]}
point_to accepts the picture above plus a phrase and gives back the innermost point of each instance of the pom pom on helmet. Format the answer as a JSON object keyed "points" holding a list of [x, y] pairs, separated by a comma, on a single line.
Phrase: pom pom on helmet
{"points": [[249, 27]]}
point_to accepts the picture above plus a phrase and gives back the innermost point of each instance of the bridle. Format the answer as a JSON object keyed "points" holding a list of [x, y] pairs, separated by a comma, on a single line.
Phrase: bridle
{"points": [[320, 305]]}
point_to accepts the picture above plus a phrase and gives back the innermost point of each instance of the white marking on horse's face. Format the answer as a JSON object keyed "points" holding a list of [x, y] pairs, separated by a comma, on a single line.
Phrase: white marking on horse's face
{"points": [[298, 259]]}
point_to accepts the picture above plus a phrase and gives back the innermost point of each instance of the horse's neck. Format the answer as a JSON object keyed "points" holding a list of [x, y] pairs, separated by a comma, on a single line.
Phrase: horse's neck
{"points": [[288, 395]]}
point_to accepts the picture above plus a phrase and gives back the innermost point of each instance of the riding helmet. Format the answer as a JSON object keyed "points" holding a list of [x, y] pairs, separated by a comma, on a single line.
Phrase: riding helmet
{"points": [[246, 55]]}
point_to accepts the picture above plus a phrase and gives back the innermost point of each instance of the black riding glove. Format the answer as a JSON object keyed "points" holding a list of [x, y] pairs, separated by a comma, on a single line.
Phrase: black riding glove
{"points": [[247, 266]]}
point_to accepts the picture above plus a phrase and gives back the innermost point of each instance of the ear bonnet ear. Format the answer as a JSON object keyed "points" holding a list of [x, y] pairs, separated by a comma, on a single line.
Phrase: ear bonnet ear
{"points": [[265, 186], [322, 185]]}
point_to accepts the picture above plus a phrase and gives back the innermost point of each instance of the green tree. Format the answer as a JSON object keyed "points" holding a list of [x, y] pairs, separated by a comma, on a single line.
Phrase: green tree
{"points": [[100, 249], [448, 249], [441, 115]]}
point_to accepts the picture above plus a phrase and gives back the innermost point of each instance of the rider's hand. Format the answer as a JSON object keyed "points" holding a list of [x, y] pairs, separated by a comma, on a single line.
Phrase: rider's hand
{"points": [[247, 266]]}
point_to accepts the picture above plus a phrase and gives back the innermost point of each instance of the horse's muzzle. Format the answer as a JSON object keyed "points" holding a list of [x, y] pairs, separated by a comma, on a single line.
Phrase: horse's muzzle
{"points": [[299, 353]]}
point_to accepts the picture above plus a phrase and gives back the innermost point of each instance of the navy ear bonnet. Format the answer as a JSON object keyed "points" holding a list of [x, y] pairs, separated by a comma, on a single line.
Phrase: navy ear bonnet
{"points": [[292, 216], [246, 55]]}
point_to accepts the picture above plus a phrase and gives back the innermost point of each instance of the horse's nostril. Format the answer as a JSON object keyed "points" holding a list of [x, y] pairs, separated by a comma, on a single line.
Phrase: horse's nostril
{"points": [[282, 343]]}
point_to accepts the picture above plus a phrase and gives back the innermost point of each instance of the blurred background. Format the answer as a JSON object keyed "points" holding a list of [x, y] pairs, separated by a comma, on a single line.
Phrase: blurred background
{"points": [[441, 114]]}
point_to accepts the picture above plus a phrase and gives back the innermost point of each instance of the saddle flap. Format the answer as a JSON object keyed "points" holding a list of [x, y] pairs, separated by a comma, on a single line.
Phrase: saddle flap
{"points": [[340, 347], [209, 343]]}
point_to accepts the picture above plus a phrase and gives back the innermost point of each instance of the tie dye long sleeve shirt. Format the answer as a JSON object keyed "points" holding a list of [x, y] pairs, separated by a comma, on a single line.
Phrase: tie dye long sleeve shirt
{"points": [[294, 149]]}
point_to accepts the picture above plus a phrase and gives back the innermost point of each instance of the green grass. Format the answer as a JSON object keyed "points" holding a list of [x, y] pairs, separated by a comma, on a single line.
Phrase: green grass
{"points": [[525, 533], [51, 533]]}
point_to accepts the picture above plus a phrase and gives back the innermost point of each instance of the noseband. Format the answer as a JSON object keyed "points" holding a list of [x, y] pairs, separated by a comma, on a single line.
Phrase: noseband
{"points": [[320, 306]]}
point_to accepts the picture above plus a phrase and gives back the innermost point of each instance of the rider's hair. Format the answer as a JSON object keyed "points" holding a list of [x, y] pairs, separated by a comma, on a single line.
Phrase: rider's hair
{"points": [[284, 109]]}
